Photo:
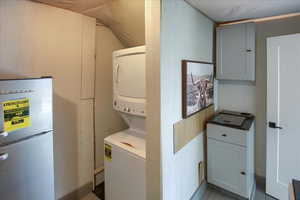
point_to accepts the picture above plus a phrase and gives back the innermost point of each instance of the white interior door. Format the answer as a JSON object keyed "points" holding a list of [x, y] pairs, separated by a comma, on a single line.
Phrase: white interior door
{"points": [[283, 108]]}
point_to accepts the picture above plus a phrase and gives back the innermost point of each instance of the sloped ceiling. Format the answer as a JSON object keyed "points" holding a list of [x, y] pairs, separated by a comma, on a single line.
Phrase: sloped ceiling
{"points": [[126, 20], [231, 10]]}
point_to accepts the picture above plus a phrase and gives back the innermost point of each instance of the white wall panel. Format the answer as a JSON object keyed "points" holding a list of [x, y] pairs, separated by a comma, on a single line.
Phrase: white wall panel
{"points": [[185, 34], [86, 142], [153, 84], [88, 57], [237, 96], [107, 120]]}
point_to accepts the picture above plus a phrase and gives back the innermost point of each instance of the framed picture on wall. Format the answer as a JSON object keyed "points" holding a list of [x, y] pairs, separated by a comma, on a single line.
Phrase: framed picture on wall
{"points": [[197, 86]]}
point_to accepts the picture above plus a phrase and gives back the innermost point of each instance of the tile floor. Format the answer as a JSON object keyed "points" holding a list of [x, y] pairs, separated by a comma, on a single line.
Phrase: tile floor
{"points": [[91, 196], [99, 191], [211, 194]]}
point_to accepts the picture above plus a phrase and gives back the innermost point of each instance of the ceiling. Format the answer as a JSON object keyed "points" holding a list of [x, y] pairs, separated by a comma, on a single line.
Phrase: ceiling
{"points": [[126, 20], [232, 10]]}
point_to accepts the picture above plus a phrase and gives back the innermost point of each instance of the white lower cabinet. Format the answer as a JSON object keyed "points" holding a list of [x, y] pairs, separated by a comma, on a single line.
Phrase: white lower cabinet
{"points": [[231, 161]]}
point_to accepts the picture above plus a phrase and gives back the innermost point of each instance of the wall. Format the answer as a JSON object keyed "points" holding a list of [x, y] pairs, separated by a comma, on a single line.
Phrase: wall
{"points": [[153, 119], [126, 20], [185, 34], [251, 97], [107, 120], [38, 40]]}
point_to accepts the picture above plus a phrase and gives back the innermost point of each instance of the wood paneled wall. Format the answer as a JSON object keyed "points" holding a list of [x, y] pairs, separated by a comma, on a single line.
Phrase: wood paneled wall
{"points": [[187, 129]]}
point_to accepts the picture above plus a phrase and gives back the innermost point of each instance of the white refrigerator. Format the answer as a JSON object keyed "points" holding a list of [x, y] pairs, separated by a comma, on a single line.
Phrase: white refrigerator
{"points": [[26, 140]]}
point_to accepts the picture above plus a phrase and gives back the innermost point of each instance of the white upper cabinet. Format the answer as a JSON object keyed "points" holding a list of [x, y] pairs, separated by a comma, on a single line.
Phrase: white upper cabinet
{"points": [[236, 52]]}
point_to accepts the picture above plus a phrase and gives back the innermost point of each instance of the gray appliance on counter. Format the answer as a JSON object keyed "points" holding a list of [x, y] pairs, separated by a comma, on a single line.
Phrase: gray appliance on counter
{"points": [[26, 140]]}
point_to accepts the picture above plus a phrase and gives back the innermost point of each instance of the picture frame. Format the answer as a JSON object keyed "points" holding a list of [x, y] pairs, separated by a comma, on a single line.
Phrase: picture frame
{"points": [[197, 86]]}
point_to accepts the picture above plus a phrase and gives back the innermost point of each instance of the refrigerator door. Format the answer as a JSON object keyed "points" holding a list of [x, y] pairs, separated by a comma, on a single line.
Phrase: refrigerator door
{"points": [[26, 169], [38, 92]]}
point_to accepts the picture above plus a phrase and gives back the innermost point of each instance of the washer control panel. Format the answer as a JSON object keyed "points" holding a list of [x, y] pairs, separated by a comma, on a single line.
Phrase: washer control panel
{"points": [[131, 108]]}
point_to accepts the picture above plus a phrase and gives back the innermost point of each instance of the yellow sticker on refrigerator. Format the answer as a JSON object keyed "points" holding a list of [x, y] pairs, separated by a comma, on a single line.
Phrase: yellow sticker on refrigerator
{"points": [[107, 149], [16, 114]]}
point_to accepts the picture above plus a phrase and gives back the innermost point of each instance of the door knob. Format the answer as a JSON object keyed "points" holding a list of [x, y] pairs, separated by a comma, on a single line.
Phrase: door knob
{"points": [[3, 156], [274, 125]]}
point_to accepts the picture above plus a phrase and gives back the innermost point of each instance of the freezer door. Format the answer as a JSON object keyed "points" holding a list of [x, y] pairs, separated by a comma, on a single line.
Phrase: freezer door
{"points": [[26, 169], [38, 92]]}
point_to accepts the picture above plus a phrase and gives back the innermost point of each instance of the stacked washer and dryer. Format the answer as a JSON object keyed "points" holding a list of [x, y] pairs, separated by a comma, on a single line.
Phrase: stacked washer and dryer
{"points": [[125, 151]]}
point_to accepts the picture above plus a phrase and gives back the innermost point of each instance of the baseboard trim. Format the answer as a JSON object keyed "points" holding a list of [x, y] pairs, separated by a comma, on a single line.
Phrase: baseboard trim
{"points": [[99, 178], [199, 192], [79, 193]]}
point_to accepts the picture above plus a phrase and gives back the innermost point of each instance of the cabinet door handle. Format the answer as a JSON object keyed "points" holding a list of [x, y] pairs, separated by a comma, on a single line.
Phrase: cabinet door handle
{"points": [[3, 156], [117, 76], [243, 173], [248, 50], [224, 135], [3, 134]]}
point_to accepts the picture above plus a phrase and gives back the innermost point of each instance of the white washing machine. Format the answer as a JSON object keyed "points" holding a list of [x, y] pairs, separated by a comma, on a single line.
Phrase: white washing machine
{"points": [[125, 165], [125, 168]]}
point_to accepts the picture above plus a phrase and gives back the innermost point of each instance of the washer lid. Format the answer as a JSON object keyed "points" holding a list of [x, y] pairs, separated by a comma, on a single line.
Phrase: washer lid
{"points": [[129, 141]]}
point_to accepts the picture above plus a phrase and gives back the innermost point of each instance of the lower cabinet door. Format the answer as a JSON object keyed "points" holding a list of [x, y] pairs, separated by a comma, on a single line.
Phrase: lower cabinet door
{"points": [[226, 166]]}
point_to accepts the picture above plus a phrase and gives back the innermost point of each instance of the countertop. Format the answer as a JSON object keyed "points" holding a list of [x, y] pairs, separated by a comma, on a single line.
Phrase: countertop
{"points": [[246, 125]]}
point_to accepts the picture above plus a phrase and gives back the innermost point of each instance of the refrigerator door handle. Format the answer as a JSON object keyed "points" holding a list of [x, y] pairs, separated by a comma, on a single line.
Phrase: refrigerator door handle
{"points": [[3, 156], [4, 134]]}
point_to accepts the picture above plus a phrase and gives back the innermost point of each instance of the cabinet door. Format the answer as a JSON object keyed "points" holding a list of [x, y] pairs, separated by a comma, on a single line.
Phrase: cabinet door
{"points": [[236, 52], [250, 52], [226, 166]]}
